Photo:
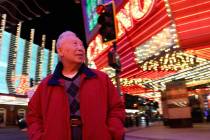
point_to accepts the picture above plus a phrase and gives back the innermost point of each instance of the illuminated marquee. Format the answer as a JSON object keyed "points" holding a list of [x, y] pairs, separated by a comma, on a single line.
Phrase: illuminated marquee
{"points": [[132, 12]]}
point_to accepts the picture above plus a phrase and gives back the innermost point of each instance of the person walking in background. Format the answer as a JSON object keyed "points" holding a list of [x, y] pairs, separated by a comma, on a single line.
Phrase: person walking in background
{"points": [[137, 119], [75, 102], [147, 117]]}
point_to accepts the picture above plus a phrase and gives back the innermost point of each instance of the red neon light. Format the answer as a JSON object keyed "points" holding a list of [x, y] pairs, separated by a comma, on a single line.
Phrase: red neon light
{"points": [[138, 7], [134, 10], [124, 19]]}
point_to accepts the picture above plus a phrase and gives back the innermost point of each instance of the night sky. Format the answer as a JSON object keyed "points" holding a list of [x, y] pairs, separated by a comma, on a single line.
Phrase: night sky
{"points": [[63, 15]]}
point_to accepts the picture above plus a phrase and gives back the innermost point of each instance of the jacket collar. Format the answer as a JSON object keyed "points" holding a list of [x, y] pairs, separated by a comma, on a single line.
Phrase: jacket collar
{"points": [[54, 80]]}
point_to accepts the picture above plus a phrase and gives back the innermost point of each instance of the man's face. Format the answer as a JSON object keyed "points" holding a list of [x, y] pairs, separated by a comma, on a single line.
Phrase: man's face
{"points": [[72, 50]]}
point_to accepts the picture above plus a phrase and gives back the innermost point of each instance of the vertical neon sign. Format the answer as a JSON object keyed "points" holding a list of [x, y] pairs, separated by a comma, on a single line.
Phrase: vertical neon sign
{"points": [[91, 12]]}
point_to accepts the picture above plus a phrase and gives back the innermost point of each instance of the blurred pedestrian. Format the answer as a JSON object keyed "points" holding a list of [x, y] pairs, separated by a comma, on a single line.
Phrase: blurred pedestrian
{"points": [[147, 117], [137, 119]]}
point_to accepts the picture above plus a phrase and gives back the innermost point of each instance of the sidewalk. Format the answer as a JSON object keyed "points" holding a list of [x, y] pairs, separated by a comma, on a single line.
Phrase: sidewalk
{"points": [[160, 132], [12, 133], [155, 132]]}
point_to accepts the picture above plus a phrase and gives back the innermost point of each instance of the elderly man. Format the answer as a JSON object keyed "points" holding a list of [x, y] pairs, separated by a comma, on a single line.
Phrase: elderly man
{"points": [[75, 102]]}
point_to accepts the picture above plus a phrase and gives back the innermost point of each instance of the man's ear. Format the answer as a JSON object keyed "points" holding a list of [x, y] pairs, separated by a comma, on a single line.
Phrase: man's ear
{"points": [[60, 52]]}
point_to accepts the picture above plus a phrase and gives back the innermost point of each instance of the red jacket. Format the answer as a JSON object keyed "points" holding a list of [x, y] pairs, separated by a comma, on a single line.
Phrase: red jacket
{"points": [[101, 108]]}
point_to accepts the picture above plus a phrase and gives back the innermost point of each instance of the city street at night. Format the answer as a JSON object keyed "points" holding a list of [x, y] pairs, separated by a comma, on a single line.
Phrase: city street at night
{"points": [[105, 70]]}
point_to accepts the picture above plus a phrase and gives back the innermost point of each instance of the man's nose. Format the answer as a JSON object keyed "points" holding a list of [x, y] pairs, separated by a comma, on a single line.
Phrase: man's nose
{"points": [[80, 48]]}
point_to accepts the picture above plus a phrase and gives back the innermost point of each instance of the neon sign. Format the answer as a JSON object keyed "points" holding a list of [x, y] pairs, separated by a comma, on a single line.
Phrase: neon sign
{"points": [[93, 51], [132, 12], [91, 12], [23, 85]]}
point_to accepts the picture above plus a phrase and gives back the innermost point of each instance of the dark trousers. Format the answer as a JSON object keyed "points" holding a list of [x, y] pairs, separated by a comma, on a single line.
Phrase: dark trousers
{"points": [[76, 133]]}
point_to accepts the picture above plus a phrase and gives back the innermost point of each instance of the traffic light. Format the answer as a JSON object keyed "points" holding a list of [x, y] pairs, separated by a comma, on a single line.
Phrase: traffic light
{"points": [[107, 22]]}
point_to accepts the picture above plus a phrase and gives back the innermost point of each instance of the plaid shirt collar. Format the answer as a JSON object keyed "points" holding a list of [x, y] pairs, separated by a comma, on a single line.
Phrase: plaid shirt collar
{"points": [[55, 79]]}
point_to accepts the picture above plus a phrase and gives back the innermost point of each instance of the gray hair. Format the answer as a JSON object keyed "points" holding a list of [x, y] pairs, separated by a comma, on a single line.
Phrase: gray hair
{"points": [[63, 36]]}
